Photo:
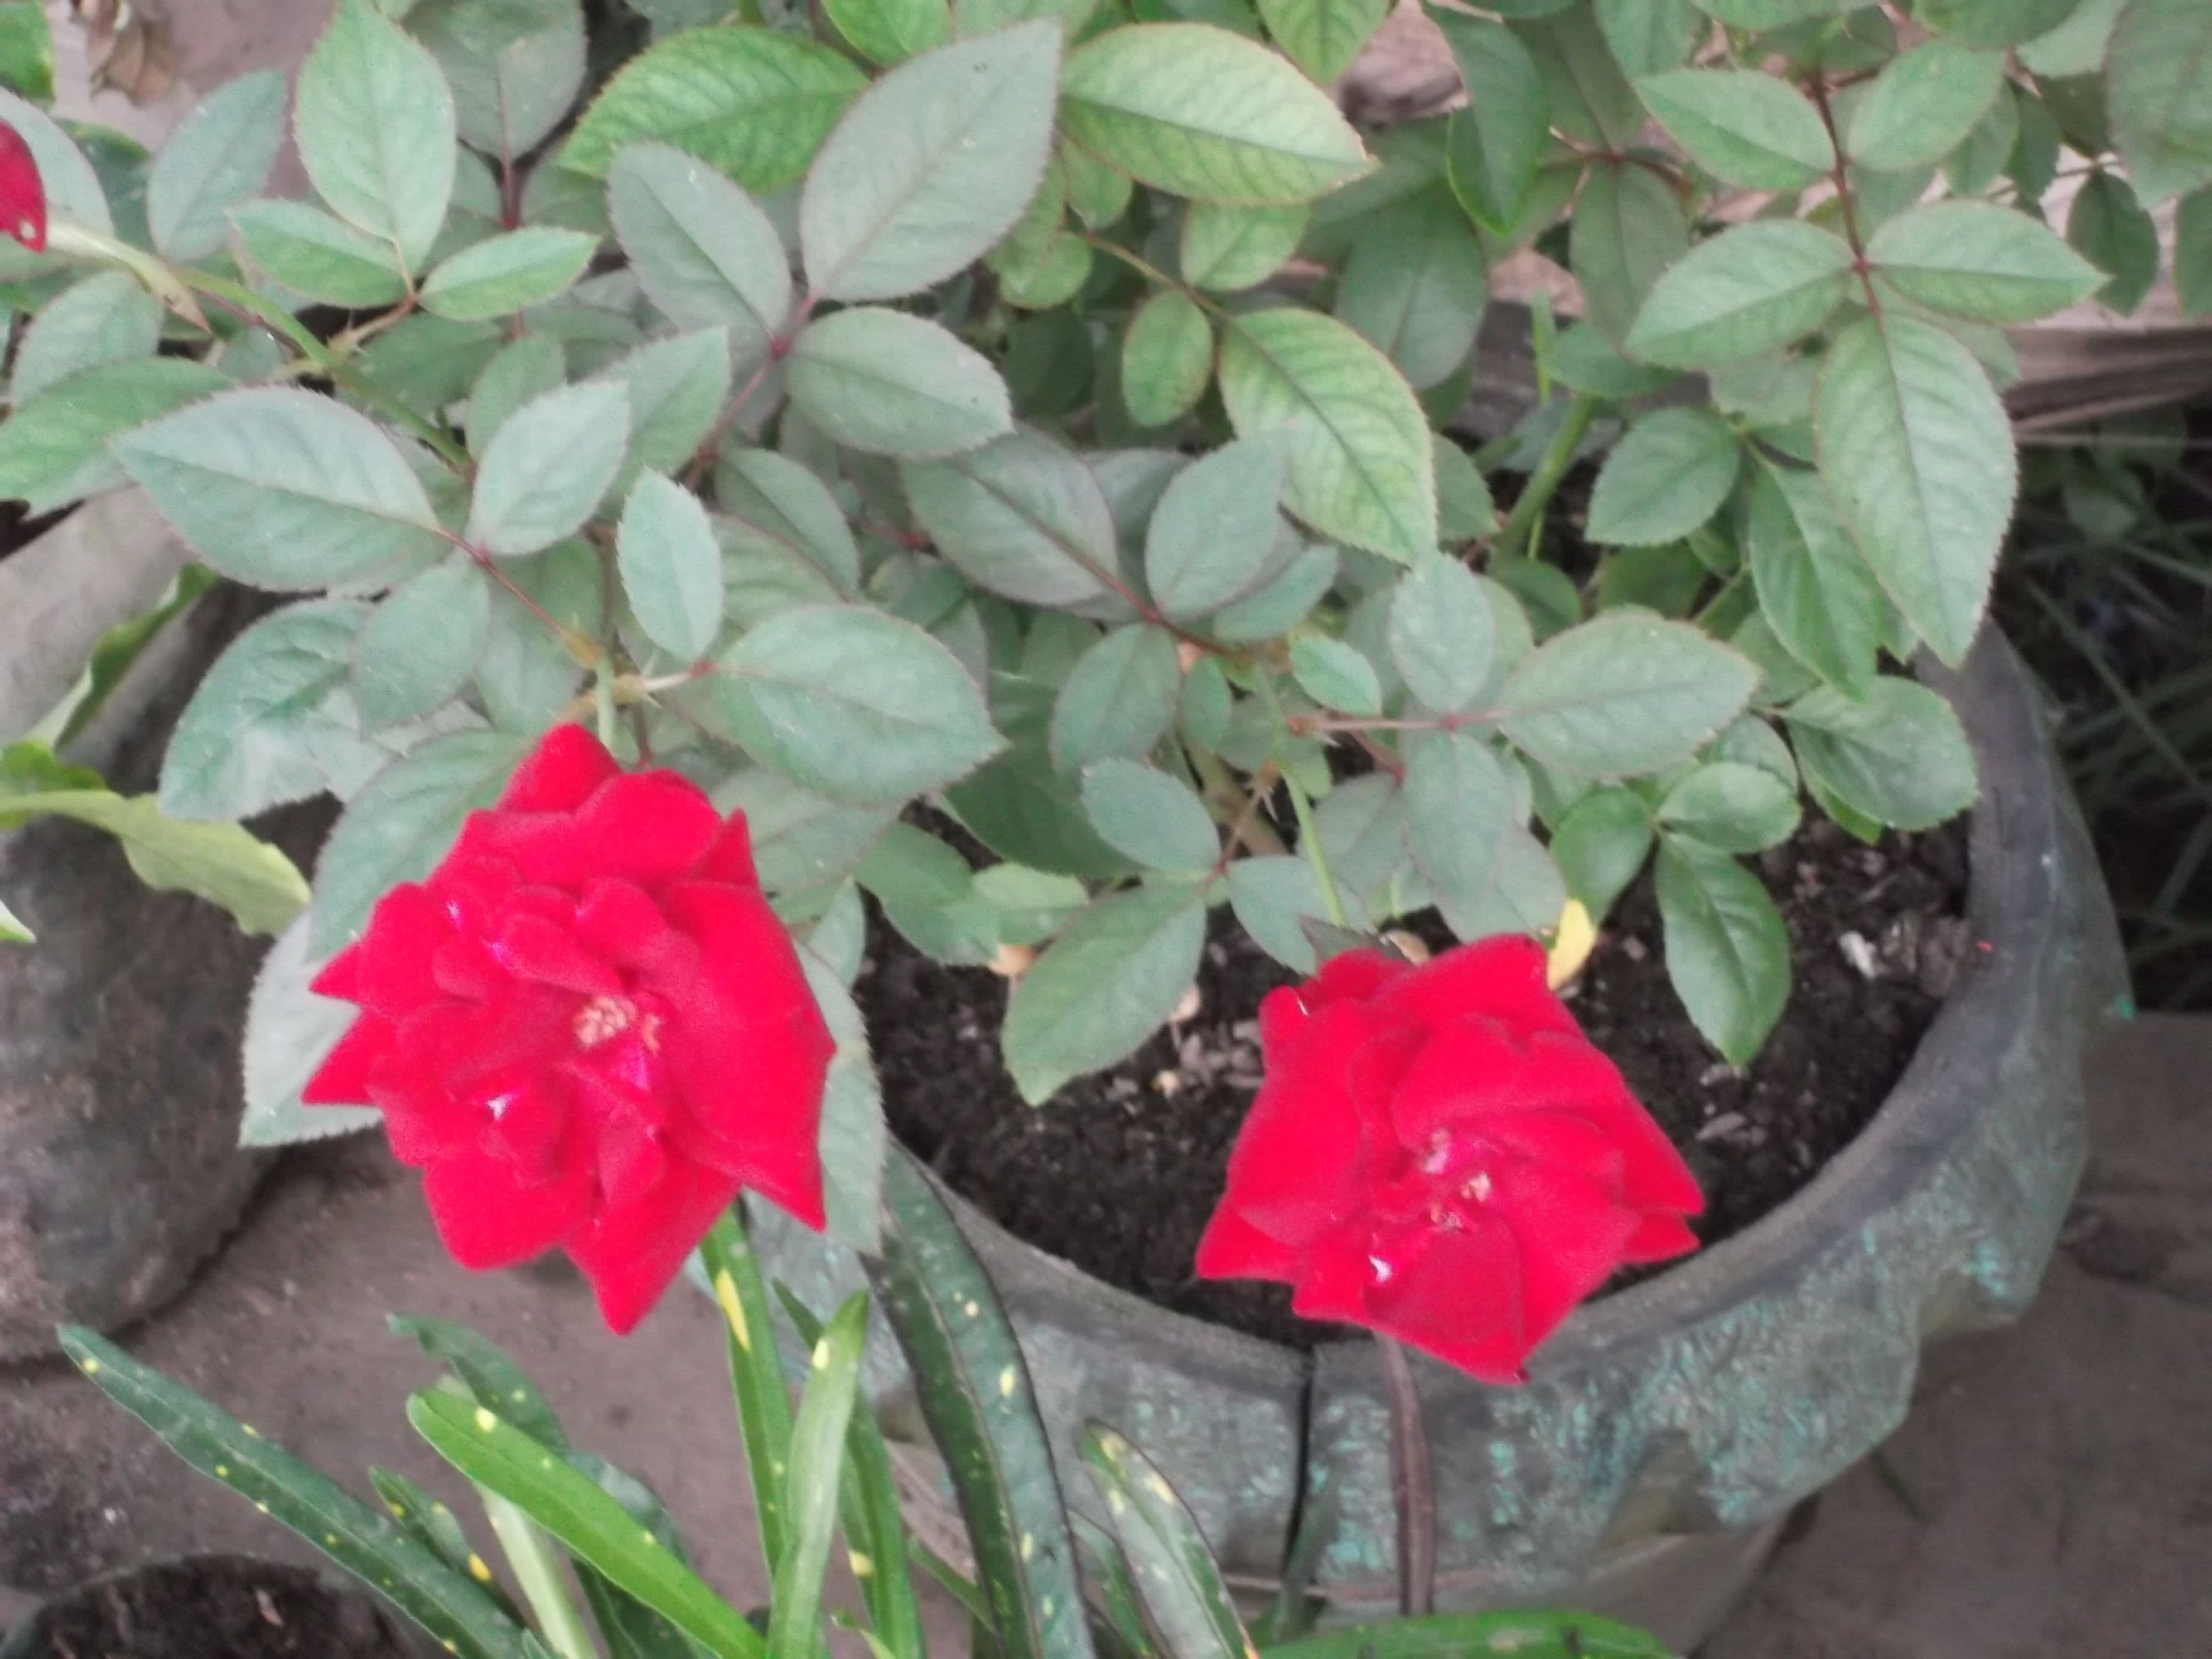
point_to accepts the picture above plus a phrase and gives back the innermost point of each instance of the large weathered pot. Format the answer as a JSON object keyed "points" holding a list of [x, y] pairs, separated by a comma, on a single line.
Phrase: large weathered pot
{"points": [[119, 1096], [1667, 1430]]}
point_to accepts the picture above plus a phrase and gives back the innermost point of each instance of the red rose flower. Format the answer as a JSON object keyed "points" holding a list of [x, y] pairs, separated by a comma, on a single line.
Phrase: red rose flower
{"points": [[22, 193], [586, 1028], [1439, 1154]]}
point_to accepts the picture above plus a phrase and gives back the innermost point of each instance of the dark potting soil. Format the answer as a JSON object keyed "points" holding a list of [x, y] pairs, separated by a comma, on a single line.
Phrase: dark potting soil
{"points": [[1120, 1172], [217, 1607]]}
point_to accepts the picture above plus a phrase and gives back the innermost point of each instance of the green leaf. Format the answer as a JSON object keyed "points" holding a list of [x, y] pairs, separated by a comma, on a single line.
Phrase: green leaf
{"points": [[1750, 291], [1592, 102], [1416, 285], [1650, 36], [1813, 587], [1443, 637], [1465, 511], [282, 488], [1360, 466], [1917, 453], [2107, 224], [367, 1544], [219, 156], [1278, 900], [1174, 1570], [851, 703], [1898, 756], [1199, 112], [1147, 816], [1322, 37], [1994, 22], [1228, 249], [1022, 808], [931, 167], [1167, 359], [107, 317], [671, 567], [1623, 694], [1282, 602], [527, 368], [490, 1451], [317, 256], [1119, 700], [398, 828], [486, 1371], [1494, 144], [73, 188], [1022, 517], [1459, 810], [703, 252], [546, 468], [54, 449], [755, 103], [973, 1388], [1921, 106], [219, 862], [375, 127], [507, 273], [1665, 479], [2159, 73], [1728, 953], [817, 1456], [512, 84], [27, 49], [892, 384], [1522, 1635], [1601, 846], [272, 721], [1627, 228], [1215, 535], [773, 498], [1743, 126], [2193, 253], [1975, 260], [1731, 808], [1109, 981], [888, 32], [1335, 675], [677, 389], [421, 643], [756, 1378]]}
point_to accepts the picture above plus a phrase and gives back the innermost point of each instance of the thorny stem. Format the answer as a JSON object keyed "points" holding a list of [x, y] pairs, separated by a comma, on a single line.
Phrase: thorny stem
{"points": [[1543, 481], [779, 348], [1412, 1483], [1846, 203]]}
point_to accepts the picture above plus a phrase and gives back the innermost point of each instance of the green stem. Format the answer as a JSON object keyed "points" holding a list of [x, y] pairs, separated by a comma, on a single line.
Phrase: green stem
{"points": [[1543, 481], [1309, 836]]}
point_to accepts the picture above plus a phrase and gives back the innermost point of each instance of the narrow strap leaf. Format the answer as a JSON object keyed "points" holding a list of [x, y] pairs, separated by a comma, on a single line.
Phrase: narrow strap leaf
{"points": [[373, 1547], [818, 1461], [1174, 1570], [494, 1454], [975, 1396], [1448, 1635], [495, 1380], [755, 1373]]}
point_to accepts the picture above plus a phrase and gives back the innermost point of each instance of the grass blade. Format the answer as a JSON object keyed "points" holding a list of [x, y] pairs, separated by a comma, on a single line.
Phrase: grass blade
{"points": [[755, 1374], [817, 1463], [1174, 1570]]}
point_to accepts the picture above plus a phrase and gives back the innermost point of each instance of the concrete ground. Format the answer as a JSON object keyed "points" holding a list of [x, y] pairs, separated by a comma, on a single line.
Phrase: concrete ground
{"points": [[2050, 1497]]}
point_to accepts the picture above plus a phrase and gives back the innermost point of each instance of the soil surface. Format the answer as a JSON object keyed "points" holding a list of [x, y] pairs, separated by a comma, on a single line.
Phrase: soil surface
{"points": [[1120, 1172], [216, 1607]]}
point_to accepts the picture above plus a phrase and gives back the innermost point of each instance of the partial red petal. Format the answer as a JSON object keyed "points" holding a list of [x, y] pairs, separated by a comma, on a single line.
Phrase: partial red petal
{"points": [[22, 193], [731, 858], [531, 947], [1658, 1238], [340, 977], [560, 774], [619, 920], [645, 827], [1455, 1293], [487, 1218], [631, 1252], [1570, 1235], [342, 1078], [1336, 1279], [1232, 1248], [1301, 1162], [1475, 1069], [1501, 977], [406, 930]]}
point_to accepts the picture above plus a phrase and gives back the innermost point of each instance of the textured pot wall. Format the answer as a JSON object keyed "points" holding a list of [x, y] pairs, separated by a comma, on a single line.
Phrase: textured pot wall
{"points": [[1667, 1430], [119, 1091]]}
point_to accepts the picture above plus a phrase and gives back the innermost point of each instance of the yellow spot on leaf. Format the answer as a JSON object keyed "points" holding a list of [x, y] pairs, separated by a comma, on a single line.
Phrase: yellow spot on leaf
{"points": [[821, 1354], [863, 1567], [251, 1430], [91, 1366], [649, 1538], [1571, 944], [477, 1570], [330, 1538], [1160, 1488], [223, 1471], [726, 1292], [1029, 1544], [263, 1507], [485, 1420], [1008, 1378]]}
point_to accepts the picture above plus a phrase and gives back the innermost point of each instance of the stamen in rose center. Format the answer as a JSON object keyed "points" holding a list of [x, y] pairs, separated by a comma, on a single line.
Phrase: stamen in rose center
{"points": [[604, 1019]]}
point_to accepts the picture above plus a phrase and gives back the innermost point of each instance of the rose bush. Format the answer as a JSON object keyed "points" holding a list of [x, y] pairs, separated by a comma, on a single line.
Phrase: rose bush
{"points": [[1439, 1154], [587, 1027]]}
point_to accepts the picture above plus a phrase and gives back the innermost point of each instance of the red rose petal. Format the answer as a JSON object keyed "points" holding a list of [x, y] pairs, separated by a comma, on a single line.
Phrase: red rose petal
{"points": [[1500, 978], [731, 858], [1658, 1238], [1232, 1248], [393, 960], [487, 1218], [560, 773], [342, 1078], [1457, 1294], [620, 921], [1301, 1161], [645, 827], [340, 977], [632, 1253], [544, 952], [22, 193]]}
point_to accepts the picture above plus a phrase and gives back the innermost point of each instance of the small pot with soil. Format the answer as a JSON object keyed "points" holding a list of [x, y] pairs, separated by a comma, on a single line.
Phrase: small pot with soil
{"points": [[1893, 1167], [119, 1163], [211, 1607]]}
